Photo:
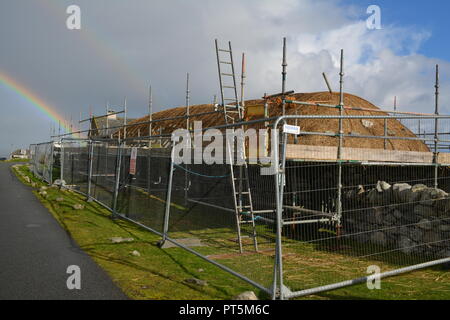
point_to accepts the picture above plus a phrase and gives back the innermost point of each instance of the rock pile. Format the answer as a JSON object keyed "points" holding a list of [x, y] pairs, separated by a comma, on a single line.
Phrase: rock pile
{"points": [[413, 219]]}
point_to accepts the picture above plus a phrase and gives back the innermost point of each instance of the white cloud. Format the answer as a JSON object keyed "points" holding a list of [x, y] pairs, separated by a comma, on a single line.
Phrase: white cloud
{"points": [[125, 45]]}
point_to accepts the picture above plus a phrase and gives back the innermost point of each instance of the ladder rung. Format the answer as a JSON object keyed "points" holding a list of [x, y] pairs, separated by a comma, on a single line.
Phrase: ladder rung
{"points": [[229, 87], [227, 74], [245, 192], [224, 50], [244, 207], [225, 62]]}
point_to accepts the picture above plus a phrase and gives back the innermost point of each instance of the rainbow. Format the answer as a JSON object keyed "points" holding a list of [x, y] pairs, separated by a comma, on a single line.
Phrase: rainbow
{"points": [[33, 99]]}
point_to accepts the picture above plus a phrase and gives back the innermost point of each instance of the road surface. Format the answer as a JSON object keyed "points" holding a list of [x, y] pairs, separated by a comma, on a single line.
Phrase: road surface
{"points": [[35, 251]]}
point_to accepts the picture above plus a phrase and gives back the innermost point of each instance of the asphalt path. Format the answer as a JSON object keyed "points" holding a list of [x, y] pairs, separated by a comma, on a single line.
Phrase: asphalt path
{"points": [[36, 252]]}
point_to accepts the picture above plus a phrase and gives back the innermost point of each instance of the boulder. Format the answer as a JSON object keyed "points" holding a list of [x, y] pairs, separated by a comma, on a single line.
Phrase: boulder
{"points": [[416, 234], [399, 187], [120, 240], [444, 228], [402, 192], [59, 183], [432, 237], [389, 220], [196, 282], [78, 206], [375, 198], [418, 187], [430, 195], [247, 295], [375, 215], [378, 238], [397, 213], [135, 253], [406, 245], [424, 224], [424, 211], [383, 186]]}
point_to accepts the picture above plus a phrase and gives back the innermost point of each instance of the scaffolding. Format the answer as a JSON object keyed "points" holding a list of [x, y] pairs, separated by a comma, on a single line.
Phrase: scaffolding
{"points": [[326, 200]]}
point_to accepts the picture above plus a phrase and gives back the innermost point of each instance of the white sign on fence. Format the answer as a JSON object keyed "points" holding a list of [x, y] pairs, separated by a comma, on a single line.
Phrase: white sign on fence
{"points": [[133, 160], [290, 129]]}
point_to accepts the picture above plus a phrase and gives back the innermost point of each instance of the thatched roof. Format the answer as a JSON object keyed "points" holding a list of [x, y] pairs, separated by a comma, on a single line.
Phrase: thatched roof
{"points": [[358, 127]]}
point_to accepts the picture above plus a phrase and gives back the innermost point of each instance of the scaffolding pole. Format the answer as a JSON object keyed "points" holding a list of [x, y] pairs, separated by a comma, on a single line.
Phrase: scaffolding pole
{"points": [[436, 129], [340, 142], [283, 75], [186, 182]]}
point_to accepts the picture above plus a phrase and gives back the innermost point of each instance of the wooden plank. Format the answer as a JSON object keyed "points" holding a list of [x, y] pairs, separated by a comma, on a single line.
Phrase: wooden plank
{"points": [[314, 153]]}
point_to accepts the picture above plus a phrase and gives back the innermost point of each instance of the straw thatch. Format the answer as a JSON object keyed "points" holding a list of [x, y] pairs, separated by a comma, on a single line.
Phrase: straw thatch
{"points": [[355, 127]]}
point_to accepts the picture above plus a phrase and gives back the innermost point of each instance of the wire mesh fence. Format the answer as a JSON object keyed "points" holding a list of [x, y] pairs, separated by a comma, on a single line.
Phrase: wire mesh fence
{"points": [[345, 216], [323, 216], [42, 160]]}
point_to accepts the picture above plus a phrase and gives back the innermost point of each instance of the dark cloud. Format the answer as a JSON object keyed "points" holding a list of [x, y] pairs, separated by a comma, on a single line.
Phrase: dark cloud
{"points": [[124, 46]]}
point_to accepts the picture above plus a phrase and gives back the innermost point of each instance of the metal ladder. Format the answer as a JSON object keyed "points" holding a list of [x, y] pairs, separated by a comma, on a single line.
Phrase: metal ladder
{"points": [[243, 205], [228, 91]]}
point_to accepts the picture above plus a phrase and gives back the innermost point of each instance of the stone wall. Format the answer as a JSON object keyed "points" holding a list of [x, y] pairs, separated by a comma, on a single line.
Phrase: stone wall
{"points": [[413, 219]]}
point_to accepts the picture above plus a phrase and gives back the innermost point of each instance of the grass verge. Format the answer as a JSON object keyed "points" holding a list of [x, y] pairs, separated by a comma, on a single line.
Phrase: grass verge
{"points": [[161, 274]]}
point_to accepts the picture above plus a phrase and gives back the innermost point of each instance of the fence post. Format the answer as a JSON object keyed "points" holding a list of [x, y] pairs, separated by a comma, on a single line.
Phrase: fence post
{"points": [[117, 182], [279, 210], [168, 200], [340, 143], [90, 157], [52, 150], [61, 161], [385, 133], [436, 129]]}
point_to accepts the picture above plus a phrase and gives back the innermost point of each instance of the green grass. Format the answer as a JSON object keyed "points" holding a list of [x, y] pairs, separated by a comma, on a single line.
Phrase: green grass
{"points": [[160, 273], [15, 160]]}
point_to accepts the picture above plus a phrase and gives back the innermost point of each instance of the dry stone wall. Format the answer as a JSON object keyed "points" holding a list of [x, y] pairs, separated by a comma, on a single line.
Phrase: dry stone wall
{"points": [[412, 219]]}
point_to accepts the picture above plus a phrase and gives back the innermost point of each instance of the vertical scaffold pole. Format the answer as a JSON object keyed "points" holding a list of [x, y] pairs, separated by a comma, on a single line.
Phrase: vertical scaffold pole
{"points": [[243, 75], [150, 115], [61, 161], [186, 182], [117, 182], [150, 112], [125, 118], [91, 157], [436, 129], [283, 74], [340, 142], [107, 120], [168, 199]]}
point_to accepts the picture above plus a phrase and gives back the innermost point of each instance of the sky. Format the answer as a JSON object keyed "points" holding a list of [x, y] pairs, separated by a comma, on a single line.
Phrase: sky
{"points": [[125, 46]]}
